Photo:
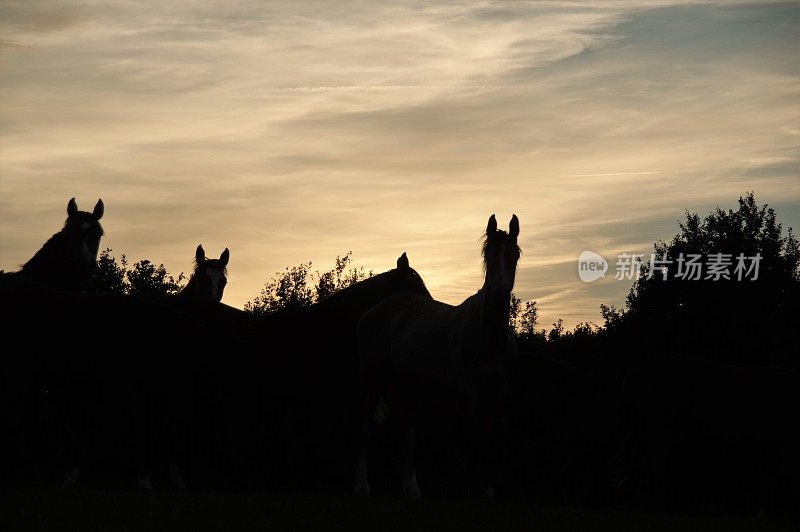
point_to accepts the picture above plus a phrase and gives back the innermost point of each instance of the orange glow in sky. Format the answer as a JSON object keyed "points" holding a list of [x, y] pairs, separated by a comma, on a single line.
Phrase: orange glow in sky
{"points": [[296, 131]]}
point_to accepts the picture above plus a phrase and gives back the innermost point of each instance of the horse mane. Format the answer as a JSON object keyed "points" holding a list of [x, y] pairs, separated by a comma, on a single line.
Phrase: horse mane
{"points": [[45, 261], [194, 266], [419, 278], [485, 246], [53, 245]]}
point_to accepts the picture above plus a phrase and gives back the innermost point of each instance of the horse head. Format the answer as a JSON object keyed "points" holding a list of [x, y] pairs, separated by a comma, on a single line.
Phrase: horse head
{"points": [[407, 279], [500, 256], [69, 256], [83, 232], [209, 278]]}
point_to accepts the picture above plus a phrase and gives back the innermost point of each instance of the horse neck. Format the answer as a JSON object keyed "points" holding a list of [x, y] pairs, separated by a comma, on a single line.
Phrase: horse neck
{"points": [[362, 294], [53, 266], [188, 293], [345, 306], [493, 307], [190, 290]]}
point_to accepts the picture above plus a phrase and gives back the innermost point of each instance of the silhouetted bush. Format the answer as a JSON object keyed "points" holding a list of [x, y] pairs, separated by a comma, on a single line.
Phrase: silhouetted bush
{"points": [[144, 280], [743, 321], [523, 317], [148, 281], [109, 275], [295, 287]]}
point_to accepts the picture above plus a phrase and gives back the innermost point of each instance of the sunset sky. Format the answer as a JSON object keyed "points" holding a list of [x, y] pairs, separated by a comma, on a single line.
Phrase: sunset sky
{"points": [[296, 131]]}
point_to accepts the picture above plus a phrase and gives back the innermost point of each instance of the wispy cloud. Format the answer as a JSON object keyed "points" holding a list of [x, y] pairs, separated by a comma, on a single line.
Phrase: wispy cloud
{"points": [[608, 174]]}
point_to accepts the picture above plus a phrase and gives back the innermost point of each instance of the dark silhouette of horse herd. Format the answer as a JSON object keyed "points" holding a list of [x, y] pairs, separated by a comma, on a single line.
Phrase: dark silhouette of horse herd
{"points": [[376, 389]]}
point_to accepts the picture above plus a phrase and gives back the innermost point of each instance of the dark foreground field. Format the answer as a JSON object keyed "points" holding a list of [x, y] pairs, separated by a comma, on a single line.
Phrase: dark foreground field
{"points": [[86, 509]]}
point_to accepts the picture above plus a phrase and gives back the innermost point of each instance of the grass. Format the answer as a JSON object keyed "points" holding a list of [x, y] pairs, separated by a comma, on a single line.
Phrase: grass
{"points": [[105, 510]]}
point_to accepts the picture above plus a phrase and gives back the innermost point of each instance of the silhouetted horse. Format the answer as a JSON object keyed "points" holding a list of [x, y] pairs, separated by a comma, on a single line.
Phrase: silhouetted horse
{"points": [[175, 397], [206, 285], [414, 349], [299, 369], [334, 319], [74, 399], [67, 259], [181, 341], [44, 287], [710, 437], [177, 342], [137, 395]]}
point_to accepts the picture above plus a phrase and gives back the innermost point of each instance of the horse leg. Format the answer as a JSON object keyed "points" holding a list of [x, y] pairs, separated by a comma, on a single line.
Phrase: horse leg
{"points": [[72, 415], [140, 422], [370, 406], [177, 421], [361, 483], [368, 413], [410, 486], [482, 423], [74, 442], [484, 465]]}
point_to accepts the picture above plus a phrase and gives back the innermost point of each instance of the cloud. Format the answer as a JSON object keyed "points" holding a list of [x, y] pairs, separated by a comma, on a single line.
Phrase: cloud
{"points": [[291, 132], [39, 17]]}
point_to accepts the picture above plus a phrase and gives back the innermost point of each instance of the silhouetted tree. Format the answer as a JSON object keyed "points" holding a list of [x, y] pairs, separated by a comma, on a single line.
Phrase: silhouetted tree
{"points": [[109, 275], [145, 279], [513, 312], [529, 318], [612, 316], [572, 346], [342, 275], [295, 287], [734, 318], [523, 316], [285, 290], [148, 281], [557, 331]]}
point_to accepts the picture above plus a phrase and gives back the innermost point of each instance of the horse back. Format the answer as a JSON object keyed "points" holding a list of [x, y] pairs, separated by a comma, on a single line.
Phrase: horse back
{"points": [[410, 337]]}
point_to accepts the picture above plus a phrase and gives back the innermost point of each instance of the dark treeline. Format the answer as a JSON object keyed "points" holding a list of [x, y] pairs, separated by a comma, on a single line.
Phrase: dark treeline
{"points": [[737, 322], [682, 400], [687, 391]]}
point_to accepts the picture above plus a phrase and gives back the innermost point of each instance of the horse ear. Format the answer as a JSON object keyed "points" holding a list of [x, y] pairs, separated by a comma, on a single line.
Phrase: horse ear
{"points": [[99, 208], [200, 254], [514, 226], [402, 262], [225, 257], [491, 227], [72, 207]]}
